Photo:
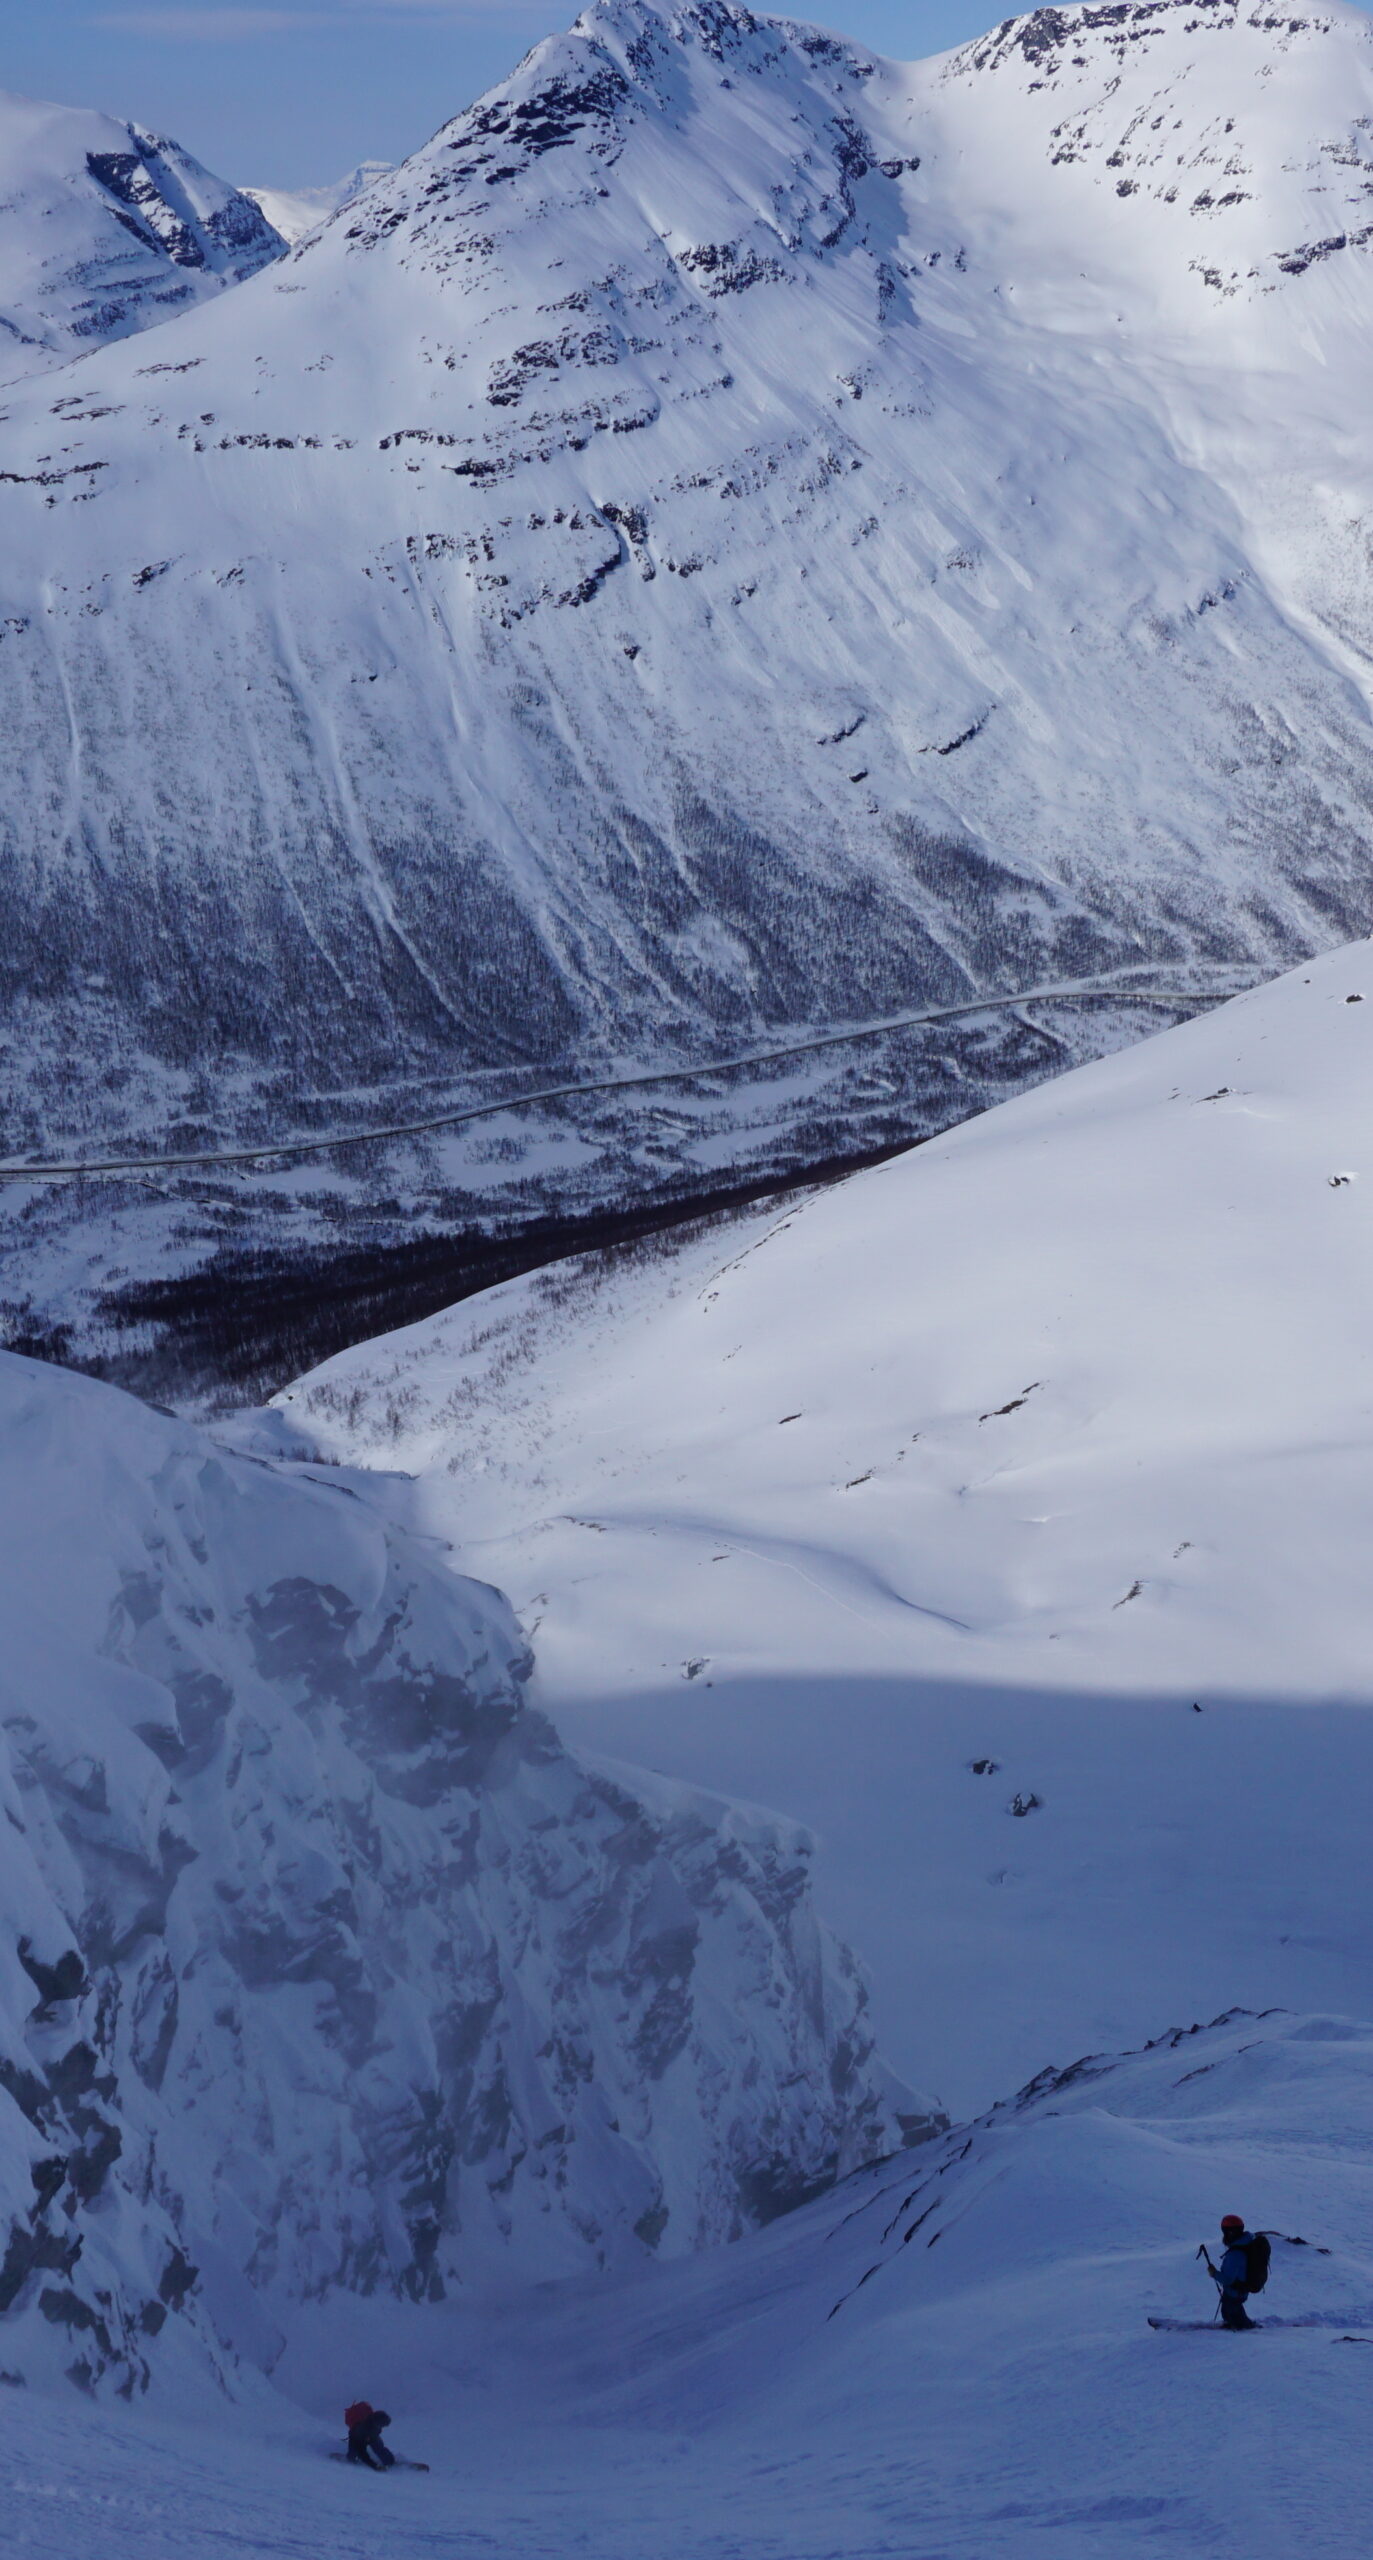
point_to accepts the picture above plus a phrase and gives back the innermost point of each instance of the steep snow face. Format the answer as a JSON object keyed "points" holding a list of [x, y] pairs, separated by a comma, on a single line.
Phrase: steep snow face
{"points": [[1162, 177], [105, 230], [294, 214], [323, 1966], [1195, 155], [948, 2356], [1011, 1498], [647, 572]]}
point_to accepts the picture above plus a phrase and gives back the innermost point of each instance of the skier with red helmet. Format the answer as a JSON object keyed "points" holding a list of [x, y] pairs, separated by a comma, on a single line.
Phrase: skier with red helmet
{"points": [[1240, 2272], [365, 2426]]}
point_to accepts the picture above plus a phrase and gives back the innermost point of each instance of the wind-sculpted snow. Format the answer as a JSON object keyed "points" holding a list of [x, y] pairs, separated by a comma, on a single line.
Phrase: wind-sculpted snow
{"points": [[323, 1966], [732, 532], [106, 230]]}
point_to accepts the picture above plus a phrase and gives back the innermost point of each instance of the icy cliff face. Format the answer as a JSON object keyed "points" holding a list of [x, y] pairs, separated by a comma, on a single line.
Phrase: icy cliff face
{"points": [[322, 1963], [105, 230], [731, 532]]}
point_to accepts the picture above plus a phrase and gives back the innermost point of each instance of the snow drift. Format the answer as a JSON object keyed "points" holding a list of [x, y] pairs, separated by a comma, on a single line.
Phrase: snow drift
{"points": [[323, 1966], [105, 230], [733, 532]]}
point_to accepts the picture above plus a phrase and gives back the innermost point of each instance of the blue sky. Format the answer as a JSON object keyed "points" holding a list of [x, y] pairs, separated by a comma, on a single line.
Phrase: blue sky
{"points": [[294, 92]]}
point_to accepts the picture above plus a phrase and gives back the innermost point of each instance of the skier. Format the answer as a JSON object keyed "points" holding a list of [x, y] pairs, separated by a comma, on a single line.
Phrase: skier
{"points": [[365, 2425], [1235, 2273]]}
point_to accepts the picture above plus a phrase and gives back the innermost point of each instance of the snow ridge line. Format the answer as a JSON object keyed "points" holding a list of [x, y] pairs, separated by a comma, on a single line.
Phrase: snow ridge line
{"points": [[1116, 981]]}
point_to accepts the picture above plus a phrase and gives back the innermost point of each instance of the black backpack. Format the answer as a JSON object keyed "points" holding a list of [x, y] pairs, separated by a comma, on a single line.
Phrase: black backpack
{"points": [[1258, 2253]]}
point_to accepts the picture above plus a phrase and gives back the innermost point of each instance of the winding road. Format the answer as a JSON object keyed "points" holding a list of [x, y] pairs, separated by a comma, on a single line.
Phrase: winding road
{"points": [[1117, 982]]}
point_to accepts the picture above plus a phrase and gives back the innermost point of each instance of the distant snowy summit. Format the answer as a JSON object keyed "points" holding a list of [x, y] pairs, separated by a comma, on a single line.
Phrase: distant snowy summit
{"points": [[296, 213], [106, 229], [1214, 147], [732, 534]]}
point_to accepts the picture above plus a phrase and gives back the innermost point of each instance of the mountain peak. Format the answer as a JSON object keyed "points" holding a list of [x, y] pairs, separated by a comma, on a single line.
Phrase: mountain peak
{"points": [[733, 535], [1051, 38], [1221, 146], [537, 149], [109, 229]]}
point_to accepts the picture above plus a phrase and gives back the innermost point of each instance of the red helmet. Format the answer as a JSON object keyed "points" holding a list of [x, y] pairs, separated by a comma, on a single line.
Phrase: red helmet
{"points": [[1232, 2222]]}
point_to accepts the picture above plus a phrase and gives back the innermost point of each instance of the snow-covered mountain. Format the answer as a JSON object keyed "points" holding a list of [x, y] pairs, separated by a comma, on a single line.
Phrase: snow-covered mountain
{"points": [[732, 532], [106, 230], [1001, 1511], [294, 213], [323, 1966]]}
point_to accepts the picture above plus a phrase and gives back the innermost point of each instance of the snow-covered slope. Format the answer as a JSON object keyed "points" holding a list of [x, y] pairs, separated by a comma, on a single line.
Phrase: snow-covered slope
{"points": [[105, 230], [732, 532], [948, 2358], [1156, 146], [323, 1966], [1002, 1511], [294, 213]]}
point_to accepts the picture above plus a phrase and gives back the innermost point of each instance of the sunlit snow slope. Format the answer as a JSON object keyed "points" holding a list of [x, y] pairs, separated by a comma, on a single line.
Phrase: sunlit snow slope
{"points": [[732, 532], [1004, 1511], [324, 1969], [106, 230]]}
